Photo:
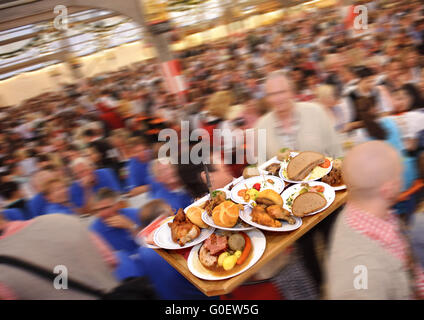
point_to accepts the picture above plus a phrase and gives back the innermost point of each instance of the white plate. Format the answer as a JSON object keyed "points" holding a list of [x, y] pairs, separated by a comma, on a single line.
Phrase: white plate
{"points": [[268, 163], [206, 198], [140, 238], [163, 238], [285, 226], [329, 194], [209, 221], [278, 186], [258, 246], [339, 188], [284, 165]]}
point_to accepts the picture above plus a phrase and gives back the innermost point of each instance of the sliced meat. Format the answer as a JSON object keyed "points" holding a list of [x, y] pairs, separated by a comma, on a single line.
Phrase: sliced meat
{"points": [[206, 258], [216, 244]]}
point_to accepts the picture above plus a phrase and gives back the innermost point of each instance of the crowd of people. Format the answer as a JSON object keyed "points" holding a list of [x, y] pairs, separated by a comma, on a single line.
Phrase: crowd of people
{"points": [[311, 82]]}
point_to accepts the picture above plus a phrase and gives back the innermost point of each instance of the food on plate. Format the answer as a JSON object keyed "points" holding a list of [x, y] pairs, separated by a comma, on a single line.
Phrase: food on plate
{"points": [[194, 214], [253, 187], [269, 210], [182, 229], [305, 188], [260, 216], [308, 202], [334, 178], [302, 165], [218, 194], [278, 212], [216, 198], [269, 197], [273, 169], [248, 194], [226, 214], [246, 250], [251, 171], [283, 154], [236, 242], [218, 254]]}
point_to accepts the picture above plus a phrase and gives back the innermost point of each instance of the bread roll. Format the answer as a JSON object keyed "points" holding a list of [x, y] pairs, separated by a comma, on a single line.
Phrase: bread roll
{"points": [[226, 214], [194, 214], [270, 195]]}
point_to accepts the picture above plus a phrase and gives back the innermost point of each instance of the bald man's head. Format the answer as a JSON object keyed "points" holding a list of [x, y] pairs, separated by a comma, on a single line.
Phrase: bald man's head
{"points": [[373, 169]]}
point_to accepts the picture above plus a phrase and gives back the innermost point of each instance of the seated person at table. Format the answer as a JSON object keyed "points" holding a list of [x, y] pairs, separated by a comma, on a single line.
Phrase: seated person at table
{"points": [[88, 182], [53, 240], [166, 184], [168, 282], [38, 203], [14, 199], [368, 235], [153, 209], [138, 172], [57, 195], [118, 226]]}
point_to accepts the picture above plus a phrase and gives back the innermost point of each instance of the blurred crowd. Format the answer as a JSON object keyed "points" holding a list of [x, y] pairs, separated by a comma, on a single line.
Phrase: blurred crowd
{"points": [[86, 150]]}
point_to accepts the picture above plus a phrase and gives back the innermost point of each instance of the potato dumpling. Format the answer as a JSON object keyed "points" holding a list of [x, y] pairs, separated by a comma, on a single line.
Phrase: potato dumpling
{"points": [[236, 242]]}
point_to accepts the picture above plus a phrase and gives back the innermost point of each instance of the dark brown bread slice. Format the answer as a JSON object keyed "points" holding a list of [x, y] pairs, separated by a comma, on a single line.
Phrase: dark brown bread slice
{"points": [[308, 202], [300, 166]]}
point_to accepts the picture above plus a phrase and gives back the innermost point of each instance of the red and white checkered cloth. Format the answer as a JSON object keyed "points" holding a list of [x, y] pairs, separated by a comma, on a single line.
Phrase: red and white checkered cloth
{"points": [[388, 234]]}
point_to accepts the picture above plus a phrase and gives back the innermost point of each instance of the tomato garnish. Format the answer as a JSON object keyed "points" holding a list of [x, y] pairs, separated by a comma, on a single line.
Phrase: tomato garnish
{"points": [[318, 188], [326, 163]]}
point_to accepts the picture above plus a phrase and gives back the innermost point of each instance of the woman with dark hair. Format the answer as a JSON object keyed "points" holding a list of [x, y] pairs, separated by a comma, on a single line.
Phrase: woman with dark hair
{"points": [[409, 115], [413, 96], [385, 128]]}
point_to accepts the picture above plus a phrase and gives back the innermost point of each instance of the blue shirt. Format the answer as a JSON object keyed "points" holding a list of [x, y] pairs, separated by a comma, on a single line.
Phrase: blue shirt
{"points": [[138, 173], [176, 200], [119, 239], [168, 282], [37, 205], [105, 178], [409, 163], [13, 214], [57, 208]]}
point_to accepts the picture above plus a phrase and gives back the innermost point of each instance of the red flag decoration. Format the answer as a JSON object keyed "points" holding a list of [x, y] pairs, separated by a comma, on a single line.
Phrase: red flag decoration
{"points": [[174, 80]]}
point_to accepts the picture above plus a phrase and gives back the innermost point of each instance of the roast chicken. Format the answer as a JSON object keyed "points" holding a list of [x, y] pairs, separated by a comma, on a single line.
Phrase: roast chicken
{"points": [[259, 215], [182, 230], [278, 212]]}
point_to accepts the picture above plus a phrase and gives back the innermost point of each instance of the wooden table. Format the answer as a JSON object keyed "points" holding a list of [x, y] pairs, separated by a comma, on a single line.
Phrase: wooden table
{"points": [[276, 242]]}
